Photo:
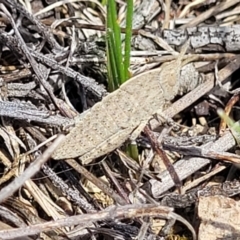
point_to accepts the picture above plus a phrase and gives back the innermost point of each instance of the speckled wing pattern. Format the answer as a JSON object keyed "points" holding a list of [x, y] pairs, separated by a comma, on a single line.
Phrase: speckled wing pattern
{"points": [[110, 122]]}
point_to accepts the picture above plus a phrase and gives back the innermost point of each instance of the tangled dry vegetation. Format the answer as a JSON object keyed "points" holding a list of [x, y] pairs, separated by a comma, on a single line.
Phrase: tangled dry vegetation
{"points": [[183, 182]]}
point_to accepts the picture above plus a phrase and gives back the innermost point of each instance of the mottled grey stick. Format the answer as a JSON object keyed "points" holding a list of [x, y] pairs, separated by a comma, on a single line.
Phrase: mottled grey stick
{"points": [[28, 112], [225, 36], [187, 166]]}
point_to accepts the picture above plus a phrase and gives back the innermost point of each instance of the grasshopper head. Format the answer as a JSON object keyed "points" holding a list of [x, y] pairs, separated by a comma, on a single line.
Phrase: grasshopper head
{"points": [[189, 79]]}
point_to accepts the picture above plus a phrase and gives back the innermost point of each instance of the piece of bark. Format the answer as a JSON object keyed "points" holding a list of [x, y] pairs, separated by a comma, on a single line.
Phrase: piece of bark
{"points": [[219, 218]]}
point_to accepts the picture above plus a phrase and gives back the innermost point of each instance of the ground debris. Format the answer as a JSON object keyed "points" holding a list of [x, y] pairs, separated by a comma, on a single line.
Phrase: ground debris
{"points": [[53, 78]]}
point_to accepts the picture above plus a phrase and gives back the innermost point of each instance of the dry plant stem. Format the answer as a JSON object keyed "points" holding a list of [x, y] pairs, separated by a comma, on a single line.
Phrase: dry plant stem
{"points": [[189, 6], [36, 134], [196, 57], [227, 189], [229, 157], [10, 216], [88, 83], [30, 171], [203, 152], [28, 112], [196, 182], [133, 165], [211, 12], [20, 89], [143, 230], [187, 166], [44, 143], [60, 3], [159, 41], [102, 28], [115, 182], [71, 193], [41, 27], [121, 212], [163, 156], [167, 13], [96, 181], [16, 76], [234, 99]]}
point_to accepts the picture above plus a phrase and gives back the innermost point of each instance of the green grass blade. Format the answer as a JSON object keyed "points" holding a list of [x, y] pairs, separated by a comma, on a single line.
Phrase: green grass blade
{"points": [[128, 37], [111, 61], [117, 50], [111, 85]]}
